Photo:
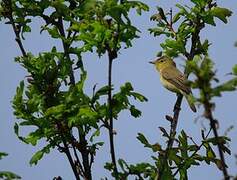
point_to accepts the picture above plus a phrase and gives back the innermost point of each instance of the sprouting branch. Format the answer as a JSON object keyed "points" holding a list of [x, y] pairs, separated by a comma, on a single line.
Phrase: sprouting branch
{"points": [[16, 27], [177, 107], [83, 142]]}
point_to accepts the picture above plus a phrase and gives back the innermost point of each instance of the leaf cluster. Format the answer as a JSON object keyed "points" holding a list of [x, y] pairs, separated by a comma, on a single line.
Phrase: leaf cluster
{"points": [[189, 21], [186, 154]]}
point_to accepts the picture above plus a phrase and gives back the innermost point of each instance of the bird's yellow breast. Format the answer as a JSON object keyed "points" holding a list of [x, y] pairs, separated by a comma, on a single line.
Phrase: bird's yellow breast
{"points": [[168, 85]]}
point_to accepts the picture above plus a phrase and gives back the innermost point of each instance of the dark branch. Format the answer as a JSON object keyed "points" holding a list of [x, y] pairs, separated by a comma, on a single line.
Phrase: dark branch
{"points": [[213, 123], [110, 108], [16, 28]]}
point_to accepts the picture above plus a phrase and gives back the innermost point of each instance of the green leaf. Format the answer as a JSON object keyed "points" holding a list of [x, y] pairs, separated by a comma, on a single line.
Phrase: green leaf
{"points": [[234, 70], [174, 157], [39, 154], [183, 174], [184, 144], [220, 139], [87, 6], [143, 140], [139, 96], [33, 137], [200, 2], [36, 157], [80, 84], [16, 130], [2, 154], [175, 45], [210, 153], [95, 134], [101, 92], [108, 166], [230, 85], [85, 116], [221, 13], [163, 130], [138, 5], [122, 164], [18, 98], [135, 112], [7, 175], [55, 111]]}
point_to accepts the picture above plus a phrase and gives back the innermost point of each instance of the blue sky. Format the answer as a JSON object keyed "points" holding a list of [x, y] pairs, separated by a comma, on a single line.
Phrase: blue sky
{"points": [[132, 65]]}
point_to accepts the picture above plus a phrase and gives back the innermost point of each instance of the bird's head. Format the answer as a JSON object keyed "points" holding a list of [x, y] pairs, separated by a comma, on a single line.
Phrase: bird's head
{"points": [[163, 62]]}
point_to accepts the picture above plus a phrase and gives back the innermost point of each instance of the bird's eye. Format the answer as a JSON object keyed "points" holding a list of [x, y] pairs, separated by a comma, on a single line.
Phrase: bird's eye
{"points": [[161, 60]]}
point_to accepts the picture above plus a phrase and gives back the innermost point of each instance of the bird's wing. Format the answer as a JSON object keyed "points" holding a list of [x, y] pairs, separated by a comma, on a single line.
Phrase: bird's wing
{"points": [[177, 79]]}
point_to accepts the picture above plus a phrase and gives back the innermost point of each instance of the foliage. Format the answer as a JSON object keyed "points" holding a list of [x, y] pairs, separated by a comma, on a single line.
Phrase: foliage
{"points": [[58, 111], [51, 101], [173, 162]]}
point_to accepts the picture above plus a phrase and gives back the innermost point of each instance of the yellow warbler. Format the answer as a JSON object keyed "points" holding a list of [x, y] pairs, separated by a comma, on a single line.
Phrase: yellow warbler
{"points": [[172, 79]]}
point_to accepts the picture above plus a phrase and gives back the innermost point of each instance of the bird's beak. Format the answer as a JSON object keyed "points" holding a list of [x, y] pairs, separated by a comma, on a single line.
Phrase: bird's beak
{"points": [[152, 62]]}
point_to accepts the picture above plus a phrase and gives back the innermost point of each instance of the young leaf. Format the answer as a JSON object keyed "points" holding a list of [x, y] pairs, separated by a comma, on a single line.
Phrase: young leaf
{"points": [[221, 13], [7, 175], [134, 111], [39, 154], [2, 154], [143, 140]]}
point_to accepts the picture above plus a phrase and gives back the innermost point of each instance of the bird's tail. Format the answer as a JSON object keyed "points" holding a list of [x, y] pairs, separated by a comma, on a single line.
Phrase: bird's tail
{"points": [[190, 101]]}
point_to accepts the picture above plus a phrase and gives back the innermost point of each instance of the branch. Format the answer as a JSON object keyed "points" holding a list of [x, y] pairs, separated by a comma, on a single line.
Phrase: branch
{"points": [[112, 55], [66, 48], [16, 28], [67, 152], [85, 156], [213, 122], [195, 39], [83, 149]]}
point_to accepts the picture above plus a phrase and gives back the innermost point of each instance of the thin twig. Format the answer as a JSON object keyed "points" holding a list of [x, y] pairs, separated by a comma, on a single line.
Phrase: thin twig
{"points": [[67, 152], [112, 54], [16, 28], [81, 170]]}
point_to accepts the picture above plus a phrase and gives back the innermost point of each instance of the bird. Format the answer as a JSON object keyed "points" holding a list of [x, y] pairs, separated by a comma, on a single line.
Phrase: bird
{"points": [[173, 79]]}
